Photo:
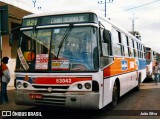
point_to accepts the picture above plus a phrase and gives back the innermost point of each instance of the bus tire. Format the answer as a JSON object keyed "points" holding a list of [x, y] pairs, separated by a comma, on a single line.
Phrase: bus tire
{"points": [[139, 82], [115, 95]]}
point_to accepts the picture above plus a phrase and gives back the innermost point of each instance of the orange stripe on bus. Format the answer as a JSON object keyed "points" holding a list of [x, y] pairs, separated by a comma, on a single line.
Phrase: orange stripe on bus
{"points": [[116, 67]]}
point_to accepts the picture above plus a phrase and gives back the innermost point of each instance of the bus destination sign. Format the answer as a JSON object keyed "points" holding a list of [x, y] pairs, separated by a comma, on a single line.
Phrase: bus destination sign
{"points": [[60, 19], [30, 22], [67, 19]]}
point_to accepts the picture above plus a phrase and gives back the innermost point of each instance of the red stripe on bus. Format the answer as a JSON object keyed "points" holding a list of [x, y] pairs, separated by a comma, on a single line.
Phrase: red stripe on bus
{"points": [[60, 80]]}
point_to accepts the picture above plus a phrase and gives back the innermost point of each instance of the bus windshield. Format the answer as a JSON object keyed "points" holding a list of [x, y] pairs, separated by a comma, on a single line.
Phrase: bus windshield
{"points": [[56, 49]]}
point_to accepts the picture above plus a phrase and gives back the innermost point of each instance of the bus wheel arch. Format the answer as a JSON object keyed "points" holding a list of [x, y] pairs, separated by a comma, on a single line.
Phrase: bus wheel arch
{"points": [[115, 93]]}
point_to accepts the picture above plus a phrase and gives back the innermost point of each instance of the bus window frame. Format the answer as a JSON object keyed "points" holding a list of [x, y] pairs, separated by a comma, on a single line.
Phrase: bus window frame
{"points": [[117, 41]]}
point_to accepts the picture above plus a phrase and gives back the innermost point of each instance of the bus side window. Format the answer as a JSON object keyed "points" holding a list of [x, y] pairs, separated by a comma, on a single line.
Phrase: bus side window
{"points": [[106, 43], [106, 49], [124, 41], [138, 50], [135, 49], [118, 47], [130, 47], [115, 41], [120, 43]]}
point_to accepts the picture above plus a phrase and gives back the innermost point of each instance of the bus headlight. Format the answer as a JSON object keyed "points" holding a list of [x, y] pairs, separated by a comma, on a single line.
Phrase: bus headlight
{"points": [[87, 85], [25, 85], [19, 84], [80, 86]]}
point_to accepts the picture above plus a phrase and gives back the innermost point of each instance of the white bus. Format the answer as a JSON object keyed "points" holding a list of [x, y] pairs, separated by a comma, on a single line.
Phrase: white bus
{"points": [[76, 60]]}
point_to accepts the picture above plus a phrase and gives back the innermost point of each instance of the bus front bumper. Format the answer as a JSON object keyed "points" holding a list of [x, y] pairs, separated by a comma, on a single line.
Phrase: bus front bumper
{"points": [[78, 100]]}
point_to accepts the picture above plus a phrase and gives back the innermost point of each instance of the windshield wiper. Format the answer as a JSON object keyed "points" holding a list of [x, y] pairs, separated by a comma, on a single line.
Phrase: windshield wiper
{"points": [[65, 36]]}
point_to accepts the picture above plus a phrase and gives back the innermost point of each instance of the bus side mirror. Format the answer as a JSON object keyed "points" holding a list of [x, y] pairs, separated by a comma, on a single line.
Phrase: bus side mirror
{"points": [[11, 39], [106, 36]]}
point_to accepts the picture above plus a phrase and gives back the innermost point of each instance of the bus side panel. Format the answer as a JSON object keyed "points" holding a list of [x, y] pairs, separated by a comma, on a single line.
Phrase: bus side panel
{"points": [[125, 85], [127, 82], [124, 70], [142, 68], [108, 88], [121, 66], [99, 78], [142, 74]]}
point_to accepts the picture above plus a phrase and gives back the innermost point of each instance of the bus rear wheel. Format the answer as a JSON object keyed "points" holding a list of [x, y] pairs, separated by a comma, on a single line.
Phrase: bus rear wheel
{"points": [[115, 95], [139, 83]]}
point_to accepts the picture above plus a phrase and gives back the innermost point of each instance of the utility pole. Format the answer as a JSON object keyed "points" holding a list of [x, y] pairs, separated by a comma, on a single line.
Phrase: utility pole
{"points": [[133, 23], [133, 32], [100, 2]]}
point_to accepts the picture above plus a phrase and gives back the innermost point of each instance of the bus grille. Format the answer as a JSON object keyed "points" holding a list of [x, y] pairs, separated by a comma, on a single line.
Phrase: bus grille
{"points": [[53, 87], [53, 91], [52, 100], [48, 98]]}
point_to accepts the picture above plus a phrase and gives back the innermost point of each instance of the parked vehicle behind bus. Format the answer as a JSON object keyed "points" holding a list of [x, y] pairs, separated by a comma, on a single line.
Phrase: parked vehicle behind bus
{"points": [[151, 58]]}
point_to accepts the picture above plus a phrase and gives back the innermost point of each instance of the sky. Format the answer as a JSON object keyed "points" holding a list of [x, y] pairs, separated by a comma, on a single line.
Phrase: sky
{"points": [[145, 13]]}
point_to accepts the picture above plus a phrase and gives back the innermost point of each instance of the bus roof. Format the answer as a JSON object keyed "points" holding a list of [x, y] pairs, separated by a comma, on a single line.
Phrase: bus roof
{"points": [[118, 28], [100, 17], [59, 13]]}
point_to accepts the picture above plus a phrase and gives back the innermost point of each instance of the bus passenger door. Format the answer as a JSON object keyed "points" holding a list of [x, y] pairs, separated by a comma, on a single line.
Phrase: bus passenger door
{"points": [[106, 59]]}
